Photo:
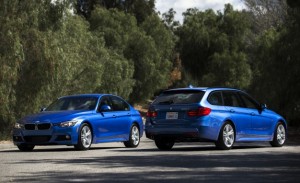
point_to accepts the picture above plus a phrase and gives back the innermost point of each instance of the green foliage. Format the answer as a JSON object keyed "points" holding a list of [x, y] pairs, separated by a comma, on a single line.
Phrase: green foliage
{"points": [[230, 69], [147, 48], [212, 47], [278, 68], [47, 51], [140, 9], [122, 47], [169, 19]]}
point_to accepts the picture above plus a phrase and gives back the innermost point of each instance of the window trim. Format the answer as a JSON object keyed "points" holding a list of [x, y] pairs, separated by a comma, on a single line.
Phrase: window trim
{"points": [[119, 98], [257, 105], [216, 91]]}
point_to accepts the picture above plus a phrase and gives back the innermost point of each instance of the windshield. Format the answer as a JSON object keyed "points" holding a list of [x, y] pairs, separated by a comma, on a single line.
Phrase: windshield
{"points": [[73, 103], [179, 97]]}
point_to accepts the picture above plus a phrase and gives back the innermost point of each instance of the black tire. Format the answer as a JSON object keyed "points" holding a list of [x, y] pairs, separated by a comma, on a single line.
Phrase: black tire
{"points": [[164, 144], [279, 135], [134, 137], [85, 138], [26, 147], [226, 137]]}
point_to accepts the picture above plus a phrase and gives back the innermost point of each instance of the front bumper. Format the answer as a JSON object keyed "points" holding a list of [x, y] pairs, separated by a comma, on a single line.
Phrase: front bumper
{"points": [[54, 136]]}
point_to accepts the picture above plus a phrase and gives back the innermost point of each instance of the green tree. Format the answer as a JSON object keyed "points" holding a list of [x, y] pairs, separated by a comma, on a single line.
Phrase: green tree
{"points": [[141, 9], [11, 58], [169, 20], [147, 48], [266, 14], [212, 47]]}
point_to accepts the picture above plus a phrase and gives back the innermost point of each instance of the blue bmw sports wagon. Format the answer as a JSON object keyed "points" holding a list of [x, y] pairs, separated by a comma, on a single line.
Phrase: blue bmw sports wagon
{"points": [[220, 115], [81, 120]]}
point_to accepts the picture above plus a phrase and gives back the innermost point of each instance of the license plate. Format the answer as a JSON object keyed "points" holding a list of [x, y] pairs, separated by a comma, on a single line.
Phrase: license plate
{"points": [[172, 115]]}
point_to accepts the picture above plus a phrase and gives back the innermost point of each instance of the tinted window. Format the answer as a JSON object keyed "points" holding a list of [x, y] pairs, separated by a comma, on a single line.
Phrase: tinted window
{"points": [[215, 98], [179, 97], [231, 99], [249, 103], [73, 103], [105, 101], [119, 104]]}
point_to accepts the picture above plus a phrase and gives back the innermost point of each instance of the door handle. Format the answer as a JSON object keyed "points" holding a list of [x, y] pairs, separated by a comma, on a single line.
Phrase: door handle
{"points": [[114, 116], [231, 110], [252, 114]]}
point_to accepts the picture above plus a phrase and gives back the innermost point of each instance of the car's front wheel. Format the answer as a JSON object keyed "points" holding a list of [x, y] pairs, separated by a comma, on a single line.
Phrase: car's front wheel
{"points": [[226, 137], [85, 137], [134, 137], [279, 136], [164, 144], [25, 147]]}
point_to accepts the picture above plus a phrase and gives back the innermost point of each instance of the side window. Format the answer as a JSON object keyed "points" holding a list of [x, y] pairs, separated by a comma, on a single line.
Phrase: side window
{"points": [[231, 99], [249, 103], [105, 101], [215, 98], [119, 104]]}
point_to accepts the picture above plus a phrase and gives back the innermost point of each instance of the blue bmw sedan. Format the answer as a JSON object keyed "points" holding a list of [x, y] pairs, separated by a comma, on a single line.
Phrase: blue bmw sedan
{"points": [[80, 120], [220, 115]]}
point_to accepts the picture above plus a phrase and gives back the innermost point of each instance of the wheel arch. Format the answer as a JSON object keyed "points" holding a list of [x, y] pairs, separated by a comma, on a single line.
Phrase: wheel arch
{"points": [[137, 124], [282, 121], [90, 125], [233, 125]]}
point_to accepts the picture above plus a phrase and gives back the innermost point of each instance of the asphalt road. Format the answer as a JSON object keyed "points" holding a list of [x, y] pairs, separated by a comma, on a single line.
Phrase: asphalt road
{"points": [[112, 162]]}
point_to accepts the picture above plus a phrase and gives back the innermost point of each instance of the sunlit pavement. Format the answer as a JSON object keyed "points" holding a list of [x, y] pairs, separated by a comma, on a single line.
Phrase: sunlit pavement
{"points": [[112, 162]]}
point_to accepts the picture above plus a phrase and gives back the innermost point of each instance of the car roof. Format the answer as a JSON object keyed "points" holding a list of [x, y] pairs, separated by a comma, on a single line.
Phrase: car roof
{"points": [[194, 88], [86, 95], [204, 89]]}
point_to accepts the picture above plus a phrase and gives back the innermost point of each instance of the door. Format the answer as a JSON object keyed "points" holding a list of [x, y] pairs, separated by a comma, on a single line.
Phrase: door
{"points": [[239, 115], [104, 126], [122, 122], [260, 122]]}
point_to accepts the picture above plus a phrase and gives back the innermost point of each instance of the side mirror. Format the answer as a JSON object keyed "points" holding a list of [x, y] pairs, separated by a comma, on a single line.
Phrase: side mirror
{"points": [[263, 106], [105, 108], [42, 109]]}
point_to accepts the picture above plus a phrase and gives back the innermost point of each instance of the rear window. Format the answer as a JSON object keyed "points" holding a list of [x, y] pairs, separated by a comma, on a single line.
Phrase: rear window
{"points": [[179, 97]]}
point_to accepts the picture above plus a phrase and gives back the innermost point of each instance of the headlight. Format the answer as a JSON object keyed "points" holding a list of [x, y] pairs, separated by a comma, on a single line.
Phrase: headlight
{"points": [[67, 123], [18, 126]]}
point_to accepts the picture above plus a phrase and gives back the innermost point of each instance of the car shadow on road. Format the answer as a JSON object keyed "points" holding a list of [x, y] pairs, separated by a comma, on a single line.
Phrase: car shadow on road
{"points": [[198, 147], [55, 149], [177, 167]]}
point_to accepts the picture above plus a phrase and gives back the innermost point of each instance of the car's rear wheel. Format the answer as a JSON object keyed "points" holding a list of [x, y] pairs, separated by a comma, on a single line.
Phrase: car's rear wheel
{"points": [[226, 137], [134, 137], [279, 136], [164, 143], [85, 137], [26, 147]]}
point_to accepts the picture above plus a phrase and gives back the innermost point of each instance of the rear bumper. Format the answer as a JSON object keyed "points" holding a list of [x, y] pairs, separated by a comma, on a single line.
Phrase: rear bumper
{"points": [[181, 134]]}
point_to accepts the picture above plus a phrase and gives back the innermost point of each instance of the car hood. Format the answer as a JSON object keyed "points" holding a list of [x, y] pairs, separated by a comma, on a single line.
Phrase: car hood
{"points": [[54, 116]]}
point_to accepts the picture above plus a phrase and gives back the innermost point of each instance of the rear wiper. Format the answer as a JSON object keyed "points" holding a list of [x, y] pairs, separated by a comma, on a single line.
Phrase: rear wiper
{"points": [[166, 102]]}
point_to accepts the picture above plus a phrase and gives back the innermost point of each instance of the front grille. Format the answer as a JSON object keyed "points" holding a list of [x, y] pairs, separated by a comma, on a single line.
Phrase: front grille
{"points": [[39, 139], [41, 126], [44, 126]]}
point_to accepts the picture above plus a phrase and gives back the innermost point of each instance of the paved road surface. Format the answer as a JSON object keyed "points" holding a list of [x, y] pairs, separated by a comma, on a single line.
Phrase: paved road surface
{"points": [[196, 162]]}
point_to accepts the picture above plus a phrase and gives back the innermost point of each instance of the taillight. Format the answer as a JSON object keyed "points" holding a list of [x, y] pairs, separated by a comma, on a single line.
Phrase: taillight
{"points": [[151, 114], [201, 111]]}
